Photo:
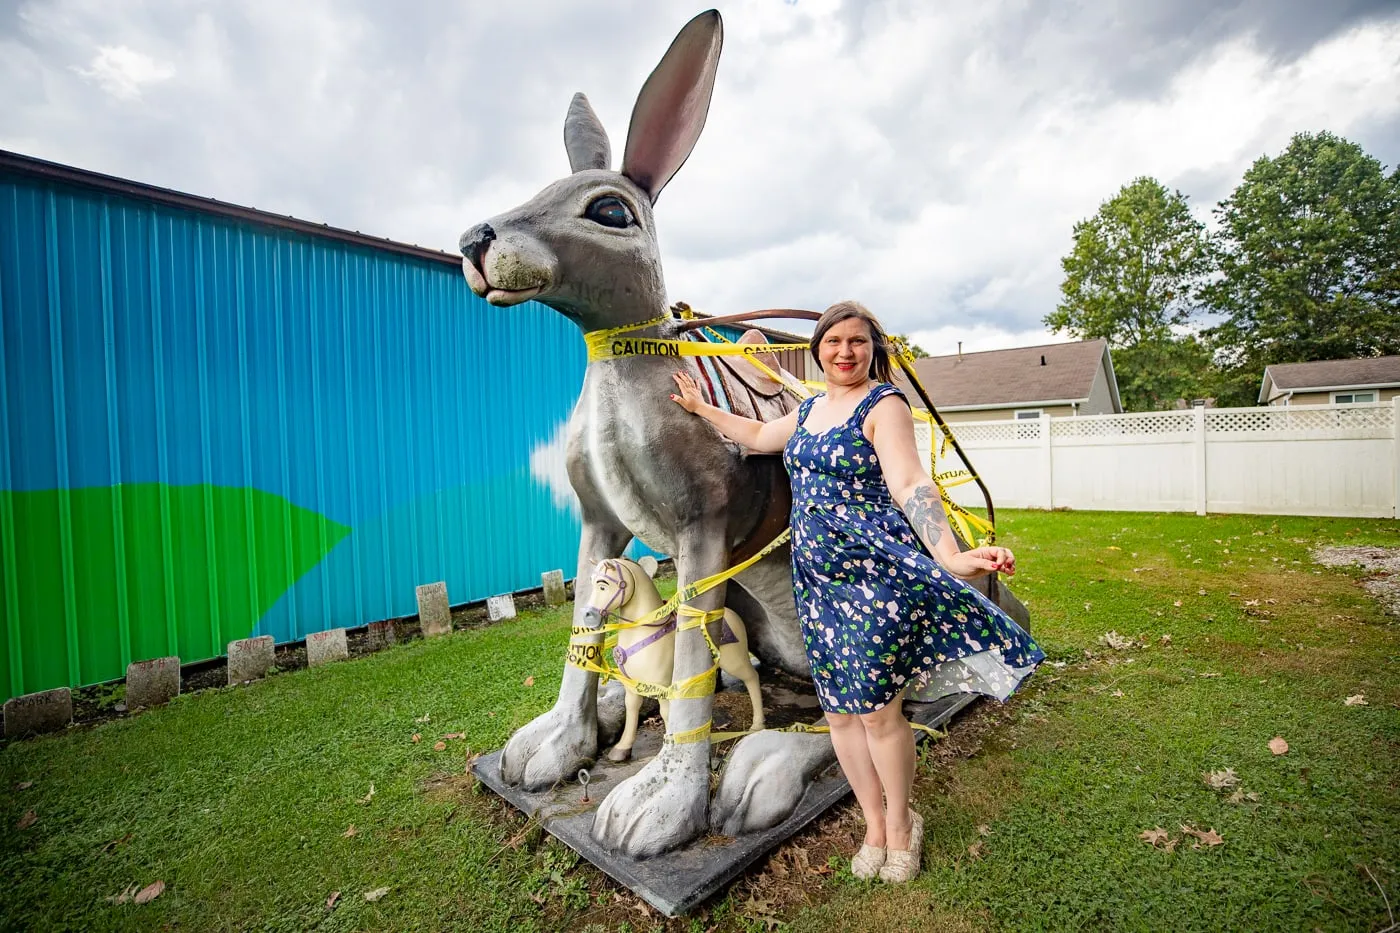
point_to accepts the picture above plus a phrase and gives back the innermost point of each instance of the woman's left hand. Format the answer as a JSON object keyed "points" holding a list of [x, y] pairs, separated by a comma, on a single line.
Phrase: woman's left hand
{"points": [[980, 561]]}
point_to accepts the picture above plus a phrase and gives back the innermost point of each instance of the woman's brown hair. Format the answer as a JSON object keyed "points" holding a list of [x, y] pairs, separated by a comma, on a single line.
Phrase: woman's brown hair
{"points": [[880, 369]]}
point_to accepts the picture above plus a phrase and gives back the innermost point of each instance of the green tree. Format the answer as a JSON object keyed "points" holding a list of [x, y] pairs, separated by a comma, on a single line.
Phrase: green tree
{"points": [[1131, 279], [1309, 255]]}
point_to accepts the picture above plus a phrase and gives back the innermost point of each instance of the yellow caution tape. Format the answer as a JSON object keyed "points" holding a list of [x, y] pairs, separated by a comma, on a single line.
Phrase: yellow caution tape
{"points": [[586, 653], [698, 734]]}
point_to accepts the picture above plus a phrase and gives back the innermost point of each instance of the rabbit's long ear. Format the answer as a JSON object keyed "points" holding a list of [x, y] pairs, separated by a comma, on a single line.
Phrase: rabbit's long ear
{"points": [[671, 110], [584, 137]]}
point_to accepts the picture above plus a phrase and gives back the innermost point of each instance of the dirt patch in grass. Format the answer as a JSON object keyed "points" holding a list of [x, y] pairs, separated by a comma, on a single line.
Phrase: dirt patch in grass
{"points": [[1381, 566], [890, 907]]}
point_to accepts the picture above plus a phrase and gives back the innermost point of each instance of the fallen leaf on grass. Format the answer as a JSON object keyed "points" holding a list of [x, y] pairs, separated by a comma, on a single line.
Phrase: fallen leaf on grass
{"points": [[1166, 640], [455, 735], [1251, 602], [1358, 700], [376, 894], [530, 681], [1278, 746], [439, 746], [1117, 642], [1116, 693], [1219, 780], [123, 897], [26, 821], [976, 849], [1176, 603], [426, 717], [1200, 592], [1210, 674], [1208, 838], [149, 893], [1241, 796], [24, 785], [760, 909], [417, 737], [1153, 836], [330, 901], [350, 833], [800, 860], [368, 797], [984, 830]]}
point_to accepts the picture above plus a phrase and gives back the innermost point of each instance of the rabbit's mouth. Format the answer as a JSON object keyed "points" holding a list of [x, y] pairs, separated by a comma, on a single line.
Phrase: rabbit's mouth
{"points": [[479, 283], [504, 298]]}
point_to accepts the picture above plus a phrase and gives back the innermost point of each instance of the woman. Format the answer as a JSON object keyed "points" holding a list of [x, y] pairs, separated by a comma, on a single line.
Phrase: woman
{"points": [[877, 591]]}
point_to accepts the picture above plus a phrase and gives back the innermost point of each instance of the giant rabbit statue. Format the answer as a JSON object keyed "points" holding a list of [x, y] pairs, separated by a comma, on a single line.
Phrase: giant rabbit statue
{"points": [[643, 467]]}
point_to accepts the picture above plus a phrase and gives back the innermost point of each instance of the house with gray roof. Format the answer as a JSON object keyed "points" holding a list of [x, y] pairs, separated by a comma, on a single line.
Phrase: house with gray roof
{"points": [[1057, 379], [1331, 382]]}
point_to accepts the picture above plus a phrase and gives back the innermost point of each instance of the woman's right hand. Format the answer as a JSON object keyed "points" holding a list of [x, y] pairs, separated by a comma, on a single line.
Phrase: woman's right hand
{"points": [[689, 397]]}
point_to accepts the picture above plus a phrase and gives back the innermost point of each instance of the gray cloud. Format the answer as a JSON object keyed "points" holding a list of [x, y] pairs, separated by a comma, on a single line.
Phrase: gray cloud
{"points": [[929, 159]]}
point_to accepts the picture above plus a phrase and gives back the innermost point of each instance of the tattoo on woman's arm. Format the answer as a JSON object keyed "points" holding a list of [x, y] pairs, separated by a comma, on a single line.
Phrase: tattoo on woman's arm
{"points": [[923, 508]]}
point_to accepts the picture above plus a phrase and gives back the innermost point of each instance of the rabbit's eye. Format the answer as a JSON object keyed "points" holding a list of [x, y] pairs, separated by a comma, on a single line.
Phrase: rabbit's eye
{"points": [[610, 211]]}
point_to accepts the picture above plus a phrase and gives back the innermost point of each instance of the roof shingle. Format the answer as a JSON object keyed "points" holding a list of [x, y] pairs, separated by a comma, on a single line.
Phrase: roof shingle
{"points": [[1327, 374], [1007, 377]]}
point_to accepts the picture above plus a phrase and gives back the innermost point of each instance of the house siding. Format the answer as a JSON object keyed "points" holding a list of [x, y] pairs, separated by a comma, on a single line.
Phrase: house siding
{"points": [[1005, 414], [1325, 398], [1100, 400]]}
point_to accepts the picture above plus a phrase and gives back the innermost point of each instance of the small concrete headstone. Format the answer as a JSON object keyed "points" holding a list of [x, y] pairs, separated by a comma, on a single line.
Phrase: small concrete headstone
{"points": [[47, 711], [250, 658], [434, 613], [153, 682], [325, 647], [381, 635], [500, 607], [553, 581]]}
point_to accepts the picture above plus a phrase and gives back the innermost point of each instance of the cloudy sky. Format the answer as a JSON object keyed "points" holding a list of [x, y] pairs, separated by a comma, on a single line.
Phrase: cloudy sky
{"points": [[929, 159]]}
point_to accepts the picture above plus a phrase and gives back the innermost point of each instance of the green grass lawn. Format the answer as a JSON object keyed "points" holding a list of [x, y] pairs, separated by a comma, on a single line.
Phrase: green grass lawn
{"points": [[241, 799]]}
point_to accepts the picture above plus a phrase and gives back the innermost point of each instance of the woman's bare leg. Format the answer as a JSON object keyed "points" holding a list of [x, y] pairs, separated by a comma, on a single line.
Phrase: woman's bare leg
{"points": [[891, 753], [848, 736]]}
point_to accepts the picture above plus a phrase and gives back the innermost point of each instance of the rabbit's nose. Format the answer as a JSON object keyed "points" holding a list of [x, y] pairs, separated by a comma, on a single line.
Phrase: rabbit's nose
{"points": [[474, 242]]}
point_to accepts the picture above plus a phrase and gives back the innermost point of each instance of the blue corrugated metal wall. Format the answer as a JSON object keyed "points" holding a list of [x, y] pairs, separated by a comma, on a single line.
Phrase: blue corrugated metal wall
{"points": [[320, 426]]}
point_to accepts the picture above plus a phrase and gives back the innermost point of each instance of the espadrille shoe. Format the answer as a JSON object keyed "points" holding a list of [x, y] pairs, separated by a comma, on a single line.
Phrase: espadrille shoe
{"points": [[868, 861], [903, 864]]}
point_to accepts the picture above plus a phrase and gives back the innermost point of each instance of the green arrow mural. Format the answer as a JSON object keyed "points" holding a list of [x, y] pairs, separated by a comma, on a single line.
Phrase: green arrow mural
{"points": [[95, 578]]}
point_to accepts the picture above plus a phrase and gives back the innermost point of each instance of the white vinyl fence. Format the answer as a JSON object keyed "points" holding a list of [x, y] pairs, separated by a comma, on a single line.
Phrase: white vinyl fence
{"points": [[1305, 460]]}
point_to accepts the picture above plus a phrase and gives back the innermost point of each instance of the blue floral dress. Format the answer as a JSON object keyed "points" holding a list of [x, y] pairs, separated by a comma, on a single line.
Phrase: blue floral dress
{"points": [[878, 613]]}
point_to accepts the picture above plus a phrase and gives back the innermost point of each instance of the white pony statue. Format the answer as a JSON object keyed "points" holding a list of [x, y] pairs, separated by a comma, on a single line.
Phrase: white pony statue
{"points": [[622, 591]]}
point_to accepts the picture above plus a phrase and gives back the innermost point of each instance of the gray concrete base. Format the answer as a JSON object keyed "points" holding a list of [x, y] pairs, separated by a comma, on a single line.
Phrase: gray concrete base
{"points": [[250, 658], [325, 647], [47, 711], [500, 607], [678, 881], [380, 635], [153, 682], [553, 583], [434, 612]]}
